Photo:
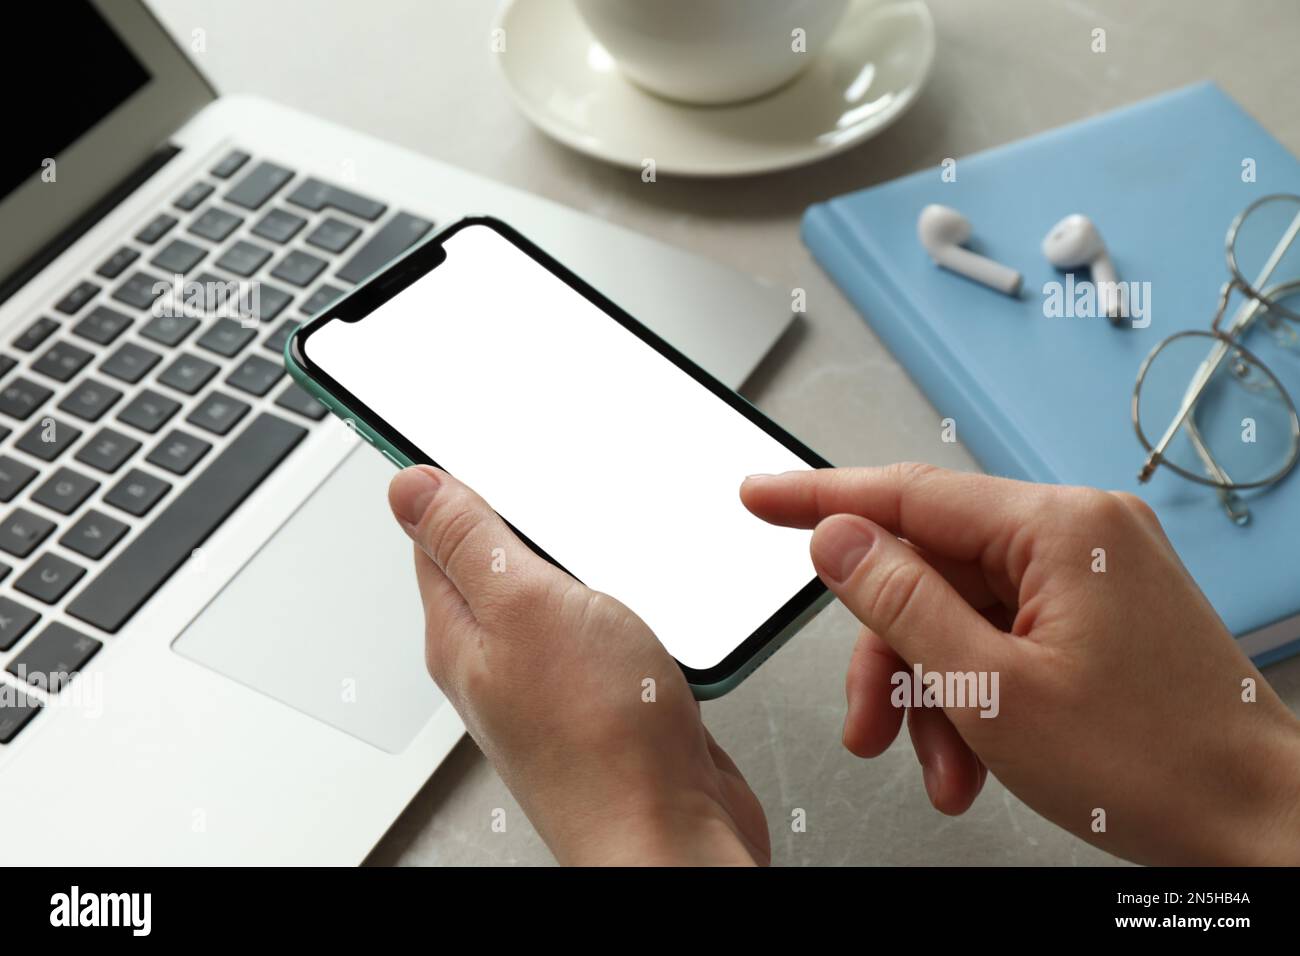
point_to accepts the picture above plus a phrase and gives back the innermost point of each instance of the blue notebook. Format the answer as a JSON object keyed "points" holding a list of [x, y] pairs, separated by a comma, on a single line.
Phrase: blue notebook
{"points": [[1047, 399]]}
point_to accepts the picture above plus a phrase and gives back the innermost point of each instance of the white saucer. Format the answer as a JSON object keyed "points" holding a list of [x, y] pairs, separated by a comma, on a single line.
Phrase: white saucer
{"points": [[565, 82]]}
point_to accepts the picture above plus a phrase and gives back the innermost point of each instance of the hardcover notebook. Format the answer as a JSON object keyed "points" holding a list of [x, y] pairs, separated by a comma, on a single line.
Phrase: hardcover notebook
{"points": [[1046, 398]]}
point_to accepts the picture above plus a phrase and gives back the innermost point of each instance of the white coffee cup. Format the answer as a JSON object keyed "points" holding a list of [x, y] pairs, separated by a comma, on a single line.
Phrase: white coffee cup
{"points": [[712, 51]]}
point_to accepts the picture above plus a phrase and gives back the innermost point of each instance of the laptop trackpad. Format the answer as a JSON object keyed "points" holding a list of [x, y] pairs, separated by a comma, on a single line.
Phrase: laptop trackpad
{"points": [[326, 616]]}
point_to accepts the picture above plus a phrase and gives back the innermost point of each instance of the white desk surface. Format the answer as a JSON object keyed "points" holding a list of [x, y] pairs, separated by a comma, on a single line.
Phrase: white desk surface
{"points": [[419, 74]]}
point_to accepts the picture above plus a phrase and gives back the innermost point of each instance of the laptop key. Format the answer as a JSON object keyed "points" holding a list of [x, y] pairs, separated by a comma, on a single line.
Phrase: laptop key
{"points": [[271, 301], [178, 452], [169, 330], [316, 195], [226, 337], [242, 299], [35, 334], [215, 224], [65, 490], [255, 375], [157, 228], [243, 258], [73, 302], [393, 238], [14, 477], [179, 257], [102, 325], [296, 400], [47, 439], [130, 362], [323, 297], [190, 199], [93, 536], [16, 711], [62, 360], [230, 164], [298, 268], [278, 225], [137, 493], [188, 373], [259, 185], [213, 295], [141, 290], [7, 365], [90, 400], [15, 621], [107, 450], [166, 542], [275, 341], [149, 411], [112, 267], [48, 579], [22, 532], [56, 655], [21, 397], [333, 235], [218, 413]]}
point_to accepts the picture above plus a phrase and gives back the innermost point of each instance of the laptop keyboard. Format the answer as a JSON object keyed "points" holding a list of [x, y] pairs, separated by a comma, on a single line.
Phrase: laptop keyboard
{"points": [[129, 432]]}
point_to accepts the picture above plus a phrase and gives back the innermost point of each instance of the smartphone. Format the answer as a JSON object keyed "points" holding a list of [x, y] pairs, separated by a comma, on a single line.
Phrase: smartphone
{"points": [[609, 452]]}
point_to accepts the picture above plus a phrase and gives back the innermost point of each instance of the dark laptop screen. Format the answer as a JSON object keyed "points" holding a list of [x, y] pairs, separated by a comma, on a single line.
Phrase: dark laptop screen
{"points": [[85, 72]]}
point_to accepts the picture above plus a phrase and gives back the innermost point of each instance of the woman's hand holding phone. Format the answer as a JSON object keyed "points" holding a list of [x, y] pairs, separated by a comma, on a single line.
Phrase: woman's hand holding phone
{"points": [[586, 717], [1120, 691]]}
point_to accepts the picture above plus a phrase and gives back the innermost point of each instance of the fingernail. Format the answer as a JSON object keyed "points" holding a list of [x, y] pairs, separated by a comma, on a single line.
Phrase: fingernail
{"points": [[758, 476], [413, 489], [839, 547]]}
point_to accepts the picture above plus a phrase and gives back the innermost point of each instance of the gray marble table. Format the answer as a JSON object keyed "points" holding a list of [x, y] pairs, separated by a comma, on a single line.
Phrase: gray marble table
{"points": [[418, 74]]}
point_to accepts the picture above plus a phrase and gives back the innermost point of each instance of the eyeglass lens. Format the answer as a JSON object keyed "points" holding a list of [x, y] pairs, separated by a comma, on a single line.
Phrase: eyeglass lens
{"points": [[1240, 431], [1264, 251]]}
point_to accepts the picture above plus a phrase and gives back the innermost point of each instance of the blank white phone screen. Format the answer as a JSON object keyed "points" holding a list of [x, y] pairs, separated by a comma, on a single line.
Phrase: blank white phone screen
{"points": [[614, 461]]}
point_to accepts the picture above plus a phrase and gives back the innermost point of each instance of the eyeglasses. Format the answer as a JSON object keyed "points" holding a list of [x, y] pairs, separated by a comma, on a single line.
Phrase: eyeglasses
{"points": [[1221, 414]]}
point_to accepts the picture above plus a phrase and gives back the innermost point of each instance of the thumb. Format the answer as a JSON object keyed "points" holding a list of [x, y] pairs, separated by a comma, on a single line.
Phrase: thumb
{"points": [[894, 592], [477, 552]]}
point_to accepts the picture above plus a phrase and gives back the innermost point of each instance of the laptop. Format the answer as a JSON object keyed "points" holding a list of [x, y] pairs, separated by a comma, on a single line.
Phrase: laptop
{"points": [[211, 644]]}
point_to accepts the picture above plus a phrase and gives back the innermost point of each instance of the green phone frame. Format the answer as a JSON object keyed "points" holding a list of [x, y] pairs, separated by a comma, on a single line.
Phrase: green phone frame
{"points": [[812, 598]]}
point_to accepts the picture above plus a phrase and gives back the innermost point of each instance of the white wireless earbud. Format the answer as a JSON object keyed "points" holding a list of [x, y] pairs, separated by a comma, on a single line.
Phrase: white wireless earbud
{"points": [[1075, 242], [942, 231]]}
